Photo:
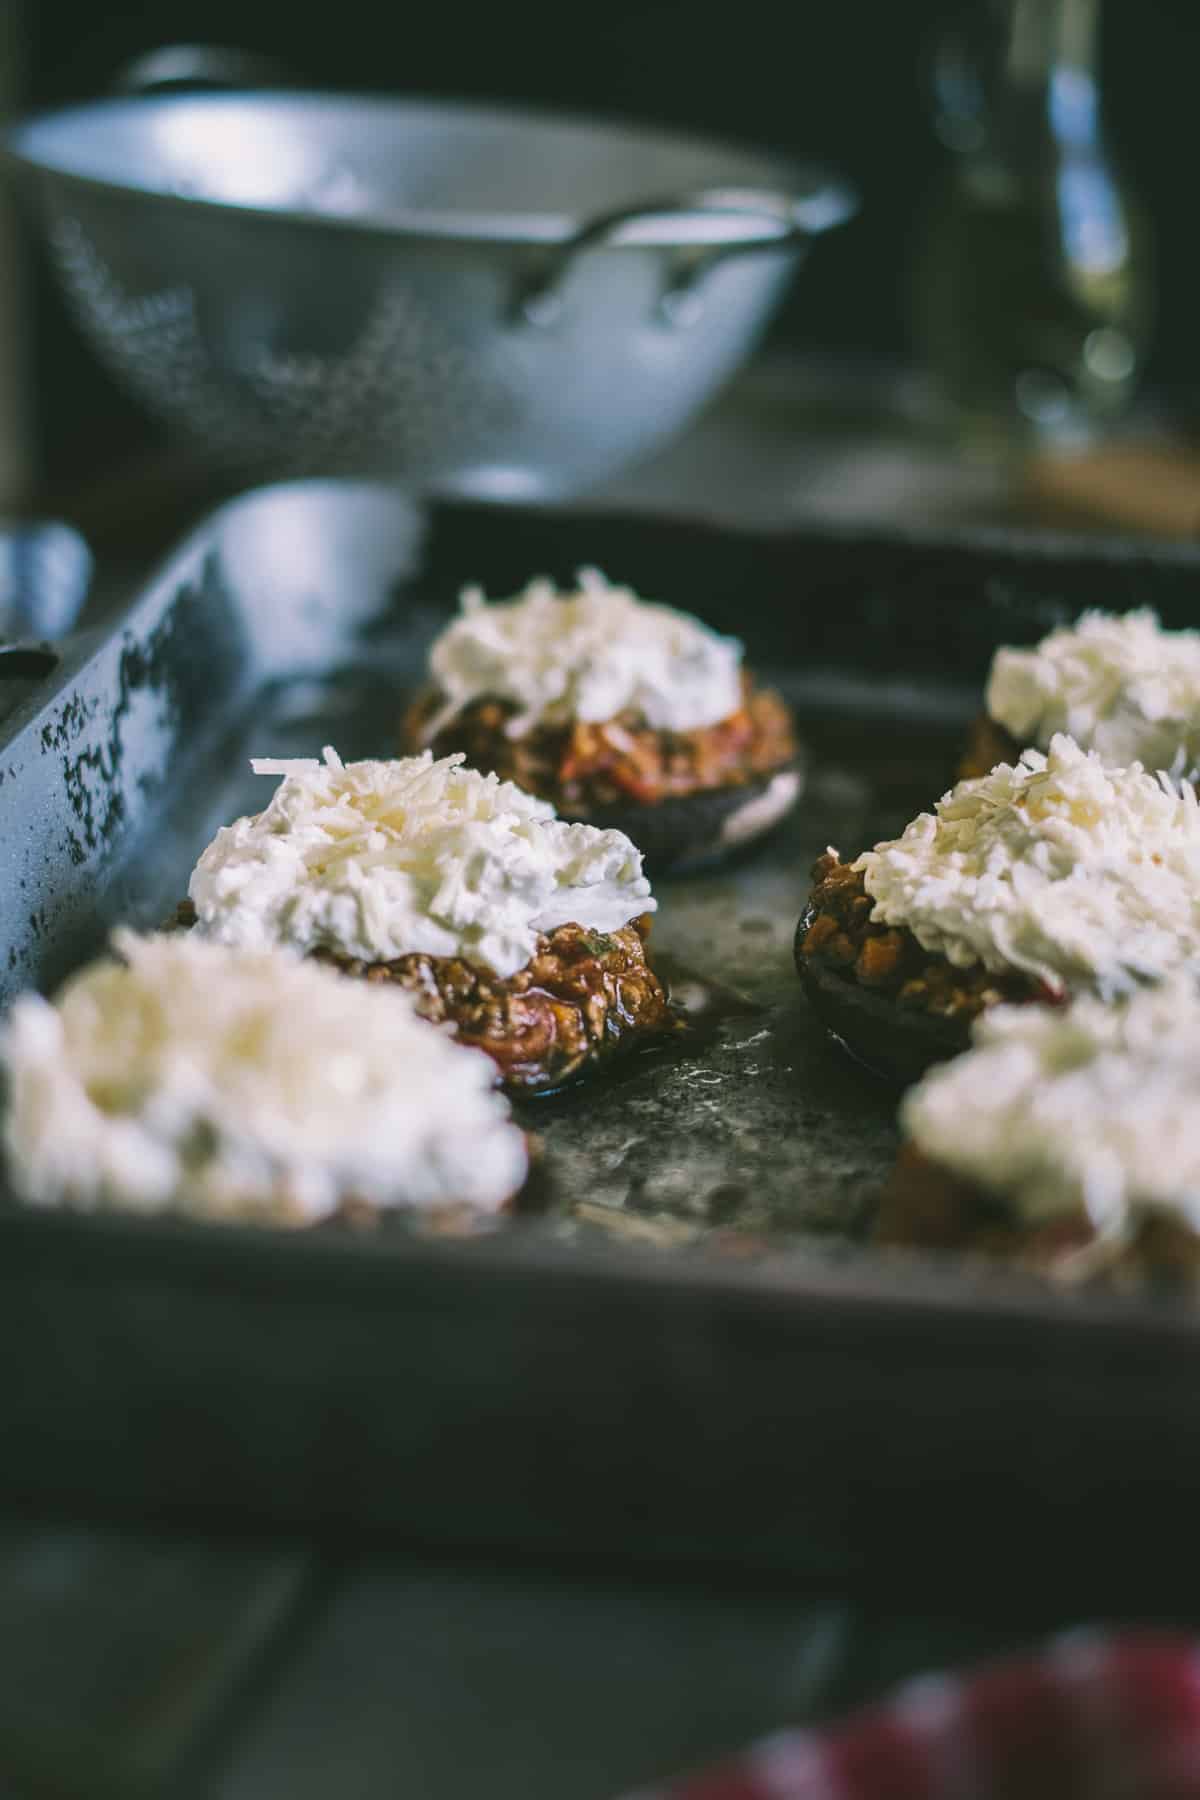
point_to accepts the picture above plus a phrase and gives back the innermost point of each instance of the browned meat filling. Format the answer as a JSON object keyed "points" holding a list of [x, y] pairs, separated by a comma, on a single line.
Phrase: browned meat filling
{"points": [[583, 996], [889, 959], [582, 767], [987, 745], [925, 1207]]}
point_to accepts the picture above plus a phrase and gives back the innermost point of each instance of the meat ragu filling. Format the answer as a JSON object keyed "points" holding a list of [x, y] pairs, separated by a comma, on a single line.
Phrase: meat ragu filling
{"points": [[926, 1207], [582, 997], [581, 767], [888, 958]]}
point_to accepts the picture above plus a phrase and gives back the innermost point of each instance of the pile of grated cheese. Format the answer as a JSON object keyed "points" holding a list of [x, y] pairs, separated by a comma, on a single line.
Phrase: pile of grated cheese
{"points": [[1079, 874], [1117, 684], [586, 655], [378, 860], [246, 1084], [1091, 1108]]}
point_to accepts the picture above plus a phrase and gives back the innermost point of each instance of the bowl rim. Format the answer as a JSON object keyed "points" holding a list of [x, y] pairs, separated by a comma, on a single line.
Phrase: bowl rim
{"points": [[808, 198]]}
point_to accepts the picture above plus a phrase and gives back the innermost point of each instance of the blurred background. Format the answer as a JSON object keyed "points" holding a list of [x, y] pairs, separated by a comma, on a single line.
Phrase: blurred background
{"points": [[840, 83]]}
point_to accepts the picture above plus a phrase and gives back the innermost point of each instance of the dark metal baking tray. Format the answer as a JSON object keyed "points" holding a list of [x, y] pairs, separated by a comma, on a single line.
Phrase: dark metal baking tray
{"points": [[689, 1355]]}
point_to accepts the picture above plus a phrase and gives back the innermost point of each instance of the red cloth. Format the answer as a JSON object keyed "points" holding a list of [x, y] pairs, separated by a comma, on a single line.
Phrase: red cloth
{"points": [[1093, 1717]]}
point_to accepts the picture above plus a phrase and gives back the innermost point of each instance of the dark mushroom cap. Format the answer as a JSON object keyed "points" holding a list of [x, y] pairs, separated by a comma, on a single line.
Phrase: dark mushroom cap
{"points": [[685, 832], [888, 1039]]}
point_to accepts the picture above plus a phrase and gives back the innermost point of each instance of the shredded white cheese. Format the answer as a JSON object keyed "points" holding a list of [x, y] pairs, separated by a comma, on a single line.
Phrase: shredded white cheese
{"points": [[246, 1084], [586, 655], [1120, 685], [1091, 1108], [377, 860], [1079, 874]]}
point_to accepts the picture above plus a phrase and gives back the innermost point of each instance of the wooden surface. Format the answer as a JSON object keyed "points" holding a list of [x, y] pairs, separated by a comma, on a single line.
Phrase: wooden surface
{"points": [[134, 1665]]}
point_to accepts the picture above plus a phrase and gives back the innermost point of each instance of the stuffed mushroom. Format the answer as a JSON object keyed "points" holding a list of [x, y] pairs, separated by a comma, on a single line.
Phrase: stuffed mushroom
{"points": [[619, 712], [524, 932], [179, 1076], [1049, 877], [1062, 1141], [1118, 684]]}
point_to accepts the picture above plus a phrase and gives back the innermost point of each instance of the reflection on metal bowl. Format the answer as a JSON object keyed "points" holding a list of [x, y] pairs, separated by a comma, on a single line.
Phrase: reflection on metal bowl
{"points": [[481, 300]]}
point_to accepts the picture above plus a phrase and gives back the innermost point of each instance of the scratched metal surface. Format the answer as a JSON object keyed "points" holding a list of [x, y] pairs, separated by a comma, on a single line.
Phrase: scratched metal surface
{"points": [[757, 1123]]}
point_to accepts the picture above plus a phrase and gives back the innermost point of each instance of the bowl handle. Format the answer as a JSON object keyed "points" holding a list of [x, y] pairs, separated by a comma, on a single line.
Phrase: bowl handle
{"points": [[175, 66], [783, 221]]}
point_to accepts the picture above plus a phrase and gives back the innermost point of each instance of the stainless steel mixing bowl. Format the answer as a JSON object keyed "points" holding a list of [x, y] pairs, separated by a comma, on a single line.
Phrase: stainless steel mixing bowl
{"points": [[462, 297]]}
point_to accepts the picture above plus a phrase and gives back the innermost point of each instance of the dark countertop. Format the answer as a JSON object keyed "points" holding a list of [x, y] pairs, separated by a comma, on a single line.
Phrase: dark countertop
{"points": [[139, 1665]]}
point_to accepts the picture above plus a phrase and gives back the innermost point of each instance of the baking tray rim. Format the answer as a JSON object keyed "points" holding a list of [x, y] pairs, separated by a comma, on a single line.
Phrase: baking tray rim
{"points": [[795, 1279]]}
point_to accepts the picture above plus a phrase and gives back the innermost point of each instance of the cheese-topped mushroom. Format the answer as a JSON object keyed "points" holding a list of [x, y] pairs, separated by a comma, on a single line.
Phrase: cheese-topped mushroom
{"points": [[1118, 684], [1083, 1110], [587, 655], [1075, 873]]}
